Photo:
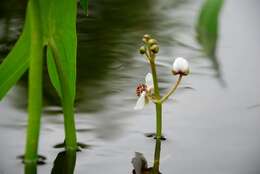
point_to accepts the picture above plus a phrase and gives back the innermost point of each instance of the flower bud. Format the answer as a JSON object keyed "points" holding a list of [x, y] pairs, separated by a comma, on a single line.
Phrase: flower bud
{"points": [[152, 41], [147, 36], [180, 66], [154, 48], [142, 50]]}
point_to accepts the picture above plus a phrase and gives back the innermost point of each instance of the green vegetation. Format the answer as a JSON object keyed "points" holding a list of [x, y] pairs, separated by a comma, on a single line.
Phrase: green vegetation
{"points": [[208, 25], [49, 34], [150, 91]]}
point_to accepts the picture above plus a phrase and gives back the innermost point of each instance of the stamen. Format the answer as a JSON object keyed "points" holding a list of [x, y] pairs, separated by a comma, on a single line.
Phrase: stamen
{"points": [[140, 88]]}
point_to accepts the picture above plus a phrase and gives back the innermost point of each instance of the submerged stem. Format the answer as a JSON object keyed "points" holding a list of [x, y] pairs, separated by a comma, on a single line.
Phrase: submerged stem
{"points": [[157, 153], [35, 84], [67, 100]]}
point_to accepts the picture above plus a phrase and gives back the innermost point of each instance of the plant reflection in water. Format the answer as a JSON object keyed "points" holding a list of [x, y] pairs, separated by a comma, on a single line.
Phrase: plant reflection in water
{"points": [[140, 163]]}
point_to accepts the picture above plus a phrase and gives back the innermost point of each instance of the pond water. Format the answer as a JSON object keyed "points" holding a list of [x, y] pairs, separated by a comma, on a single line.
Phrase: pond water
{"points": [[212, 123]]}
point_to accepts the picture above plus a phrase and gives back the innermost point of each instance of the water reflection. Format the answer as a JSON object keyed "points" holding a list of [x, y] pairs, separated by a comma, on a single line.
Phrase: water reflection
{"points": [[11, 19], [64, 163], [140, 163], [30, 168], [108, 65], [107, 42]]}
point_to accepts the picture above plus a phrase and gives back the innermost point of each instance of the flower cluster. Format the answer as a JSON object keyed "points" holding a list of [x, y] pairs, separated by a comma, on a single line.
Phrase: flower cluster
{"points": [[146, 92]]}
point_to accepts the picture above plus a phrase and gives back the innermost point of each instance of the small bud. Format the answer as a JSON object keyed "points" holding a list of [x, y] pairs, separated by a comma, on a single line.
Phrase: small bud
{"points": [[147, 36], [152, 41], [154, 48], [142, 50], [180, 66]]}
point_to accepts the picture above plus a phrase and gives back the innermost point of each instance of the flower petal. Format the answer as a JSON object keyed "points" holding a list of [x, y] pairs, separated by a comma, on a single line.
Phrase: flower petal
{"points": [[140, 102], [180, 66], [149, 80]]}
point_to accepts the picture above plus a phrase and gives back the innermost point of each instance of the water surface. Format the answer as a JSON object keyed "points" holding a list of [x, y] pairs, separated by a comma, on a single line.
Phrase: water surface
{"points": [[211, 123]]}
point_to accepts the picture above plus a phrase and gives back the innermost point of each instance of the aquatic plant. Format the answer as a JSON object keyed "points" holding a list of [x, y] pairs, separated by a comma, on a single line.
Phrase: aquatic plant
{"points": [[207, 30], [140, 164], [49, 35], [150, 90], [208, 25]]}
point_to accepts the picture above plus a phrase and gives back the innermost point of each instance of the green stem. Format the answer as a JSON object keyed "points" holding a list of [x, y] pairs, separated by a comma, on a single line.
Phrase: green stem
{"points": [[70, 161], [172, 90], [30, 168], [158, 106], [35, 84], [67, 100], [157, 154]]}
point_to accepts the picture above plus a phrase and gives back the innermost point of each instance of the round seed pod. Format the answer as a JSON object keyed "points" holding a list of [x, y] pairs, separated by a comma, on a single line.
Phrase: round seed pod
{"points": [[155, 48], [152, 41], [142, 50], [147, 36]]}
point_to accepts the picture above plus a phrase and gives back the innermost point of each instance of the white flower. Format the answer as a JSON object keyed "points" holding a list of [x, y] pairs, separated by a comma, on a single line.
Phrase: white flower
{"points": [[143, 90], [180, 66]]}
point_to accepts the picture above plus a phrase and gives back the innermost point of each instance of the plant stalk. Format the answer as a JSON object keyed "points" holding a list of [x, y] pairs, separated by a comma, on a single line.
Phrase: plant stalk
{"points": [[67, 101], [172, 90], [30, 168], [157, 153], [158, 106], [35, 84]]}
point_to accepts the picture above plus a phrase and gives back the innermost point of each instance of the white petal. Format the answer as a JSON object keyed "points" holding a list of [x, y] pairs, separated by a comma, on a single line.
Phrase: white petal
{"points": [[140, 102], [181, 65], [149, 80]]}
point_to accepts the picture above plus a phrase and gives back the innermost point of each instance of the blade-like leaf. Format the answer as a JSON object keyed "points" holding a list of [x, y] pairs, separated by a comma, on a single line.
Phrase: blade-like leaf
{"points": [[207, 25], [63, 32], [53, 72], [84, 5], [16, 63]]}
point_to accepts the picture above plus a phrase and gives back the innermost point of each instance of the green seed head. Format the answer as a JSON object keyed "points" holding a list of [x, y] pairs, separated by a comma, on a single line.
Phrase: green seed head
{"points": [[155, 48], [147, 36], [152, 41], [142, 50]]}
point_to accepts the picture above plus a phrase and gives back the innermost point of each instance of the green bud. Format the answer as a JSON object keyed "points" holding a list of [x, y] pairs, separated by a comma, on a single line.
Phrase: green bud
{"points": [[154, 48], [152, 41], [147, 36], [142, 50]]}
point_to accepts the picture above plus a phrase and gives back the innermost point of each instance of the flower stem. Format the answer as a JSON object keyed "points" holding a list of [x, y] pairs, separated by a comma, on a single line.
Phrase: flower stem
{"points": [[174, 87], [158, 106], [157, 154], [30, 168], [67, 101], [35, 84]]}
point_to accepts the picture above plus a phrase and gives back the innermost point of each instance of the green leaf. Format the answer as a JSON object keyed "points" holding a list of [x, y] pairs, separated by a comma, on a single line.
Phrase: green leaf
{"points": [[84, 5], [16, 62], [62, 30], [208, 24], [53, 72]]}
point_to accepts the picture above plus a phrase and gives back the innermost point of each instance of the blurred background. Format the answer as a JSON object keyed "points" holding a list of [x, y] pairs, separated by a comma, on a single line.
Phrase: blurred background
{"points": [[212, 122]]}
